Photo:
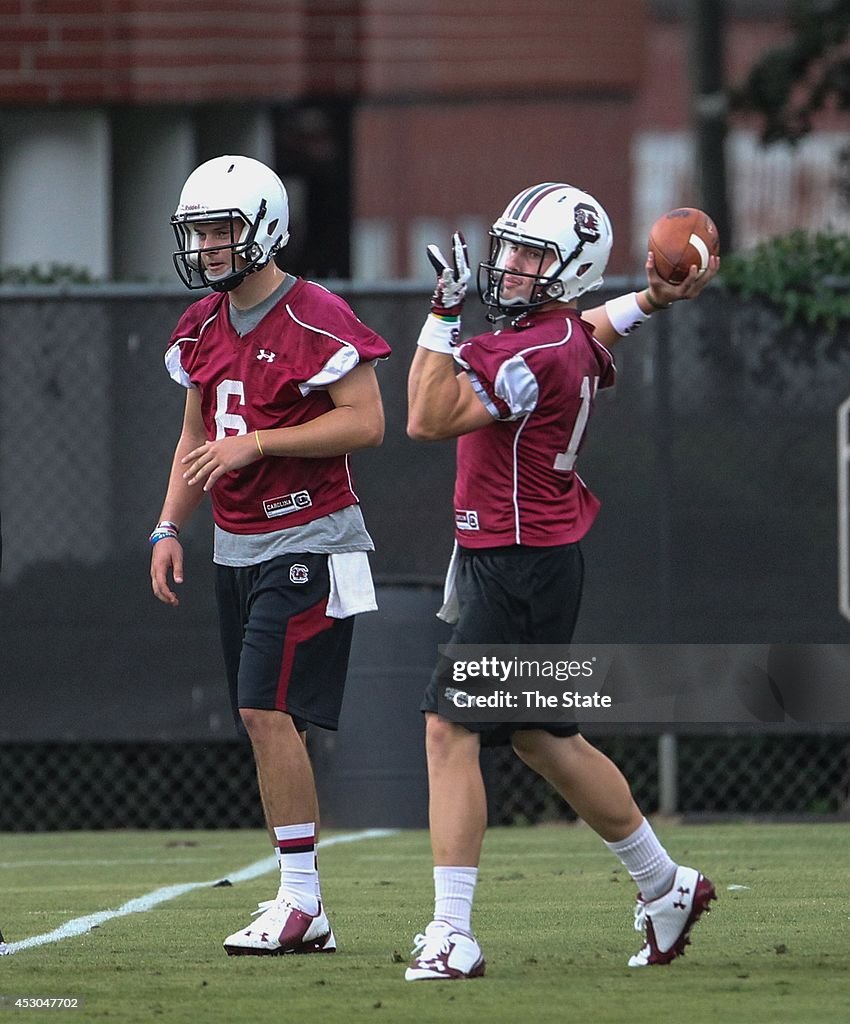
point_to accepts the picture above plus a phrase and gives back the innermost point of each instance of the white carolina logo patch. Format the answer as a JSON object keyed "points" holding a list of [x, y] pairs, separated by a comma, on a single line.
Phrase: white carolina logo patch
{"points": [[286, 503], [466, 519], [299, 573]]}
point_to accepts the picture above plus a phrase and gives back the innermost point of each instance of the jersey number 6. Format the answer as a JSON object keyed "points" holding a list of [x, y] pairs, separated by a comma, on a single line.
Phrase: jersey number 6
{"points": [[225, 420]]}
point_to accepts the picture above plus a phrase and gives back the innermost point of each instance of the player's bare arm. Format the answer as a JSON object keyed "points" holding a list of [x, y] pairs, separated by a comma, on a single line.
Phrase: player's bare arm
{"points": [[658, 295], [356, 421], [180, 502], [441, 403]]}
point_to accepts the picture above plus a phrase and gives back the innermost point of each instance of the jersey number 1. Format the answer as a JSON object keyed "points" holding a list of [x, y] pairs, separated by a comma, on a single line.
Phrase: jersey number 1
{"points": [[565, 461]]}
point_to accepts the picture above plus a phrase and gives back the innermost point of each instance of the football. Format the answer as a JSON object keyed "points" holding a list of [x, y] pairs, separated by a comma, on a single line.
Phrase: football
{"points": [[681, 239]]}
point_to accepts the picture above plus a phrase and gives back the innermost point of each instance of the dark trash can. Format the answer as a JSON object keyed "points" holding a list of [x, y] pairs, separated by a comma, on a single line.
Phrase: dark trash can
{"points": [[372, 773]]}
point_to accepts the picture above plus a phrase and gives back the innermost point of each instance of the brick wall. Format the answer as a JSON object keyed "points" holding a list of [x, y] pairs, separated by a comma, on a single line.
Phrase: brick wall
{"points": [[162, 51], [447, 48], [94, 51], [472, 157]]}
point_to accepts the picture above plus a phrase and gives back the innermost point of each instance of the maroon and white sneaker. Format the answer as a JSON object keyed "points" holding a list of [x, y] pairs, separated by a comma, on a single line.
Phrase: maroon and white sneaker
{"points": [[667, 920], [280, 929], [443, 953]]}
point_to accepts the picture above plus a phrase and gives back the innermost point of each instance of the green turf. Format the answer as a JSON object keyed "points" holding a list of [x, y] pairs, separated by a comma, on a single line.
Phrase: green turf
{"points": [[553, 914]]}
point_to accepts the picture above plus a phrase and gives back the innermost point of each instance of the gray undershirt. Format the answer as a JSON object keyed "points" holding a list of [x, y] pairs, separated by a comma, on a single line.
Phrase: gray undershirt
{"points": [[332, 534], [245, 320]]}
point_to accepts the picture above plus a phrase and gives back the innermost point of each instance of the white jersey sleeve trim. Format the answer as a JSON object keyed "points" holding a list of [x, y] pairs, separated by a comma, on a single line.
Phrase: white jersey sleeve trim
{"points": [[517, 386], [175, 367], [172, 355], [341, 363], [481, 392]]}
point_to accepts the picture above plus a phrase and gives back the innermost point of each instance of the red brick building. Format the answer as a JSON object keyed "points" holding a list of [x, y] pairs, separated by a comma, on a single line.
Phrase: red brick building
{"points": [[391, 121]]}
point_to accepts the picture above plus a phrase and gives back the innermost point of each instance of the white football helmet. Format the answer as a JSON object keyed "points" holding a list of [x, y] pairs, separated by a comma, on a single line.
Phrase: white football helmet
{"points": [[246, 193], [573, 232]]}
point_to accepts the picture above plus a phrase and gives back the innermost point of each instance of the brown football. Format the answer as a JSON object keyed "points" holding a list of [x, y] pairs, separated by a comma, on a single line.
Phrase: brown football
{"points": [[681, 239]]}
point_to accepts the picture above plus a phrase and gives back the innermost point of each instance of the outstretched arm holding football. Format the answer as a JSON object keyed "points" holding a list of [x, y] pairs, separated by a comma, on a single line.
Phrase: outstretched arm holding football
{"points": [[683, 256]]}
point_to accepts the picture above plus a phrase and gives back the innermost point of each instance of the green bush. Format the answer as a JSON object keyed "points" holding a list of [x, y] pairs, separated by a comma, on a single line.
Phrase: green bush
{"points": [[805, 277], [52, 273]]}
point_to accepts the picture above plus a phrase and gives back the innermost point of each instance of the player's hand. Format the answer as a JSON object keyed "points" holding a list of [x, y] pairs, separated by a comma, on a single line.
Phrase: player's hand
{"points": [[166, 557], [215, 458], [663, 293], [452, 278]]}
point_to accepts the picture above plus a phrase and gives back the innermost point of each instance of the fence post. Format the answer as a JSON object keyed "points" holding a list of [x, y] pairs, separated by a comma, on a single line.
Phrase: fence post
{"points": [[668, 774]]}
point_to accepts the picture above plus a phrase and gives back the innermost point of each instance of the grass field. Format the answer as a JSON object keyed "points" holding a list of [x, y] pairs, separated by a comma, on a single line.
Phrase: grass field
{"points": [[553, 914]]}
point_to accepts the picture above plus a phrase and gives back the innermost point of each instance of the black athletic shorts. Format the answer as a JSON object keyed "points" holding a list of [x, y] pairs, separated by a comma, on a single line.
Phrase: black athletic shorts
{"points": [[281, 651], [513, 595]]}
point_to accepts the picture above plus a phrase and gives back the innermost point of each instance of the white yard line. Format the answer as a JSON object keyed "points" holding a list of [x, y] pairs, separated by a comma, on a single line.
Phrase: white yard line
{"points": [[141, 904]]}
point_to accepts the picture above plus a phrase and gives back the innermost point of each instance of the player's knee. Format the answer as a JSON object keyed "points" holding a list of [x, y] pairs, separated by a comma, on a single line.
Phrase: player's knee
{"points": [[445, 740], [526, 746], [541, 750], [261, 723]]}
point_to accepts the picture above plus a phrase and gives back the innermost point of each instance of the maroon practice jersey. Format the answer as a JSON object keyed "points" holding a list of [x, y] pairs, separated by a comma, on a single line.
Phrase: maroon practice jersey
{"points": [[516, 480], [274, 376]]}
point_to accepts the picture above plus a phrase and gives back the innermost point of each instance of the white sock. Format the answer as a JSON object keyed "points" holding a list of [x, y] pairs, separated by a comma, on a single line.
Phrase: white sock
{"points": [[454, 889], [296, 854], [646, 860], [318, 883]]}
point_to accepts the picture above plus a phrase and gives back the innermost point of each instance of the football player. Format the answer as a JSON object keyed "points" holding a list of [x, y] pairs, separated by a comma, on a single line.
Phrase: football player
{"points": [[519, 408], [280, 388]]}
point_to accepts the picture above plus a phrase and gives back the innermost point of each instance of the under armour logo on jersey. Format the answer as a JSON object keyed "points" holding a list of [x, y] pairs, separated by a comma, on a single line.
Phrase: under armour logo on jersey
{"points": [[265, 354]]}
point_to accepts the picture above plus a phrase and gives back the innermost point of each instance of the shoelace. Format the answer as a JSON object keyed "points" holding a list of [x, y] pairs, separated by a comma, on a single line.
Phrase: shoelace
{"points": [[266, 905], [263, 907], [435, 944], [640, 916], [279, 903]]}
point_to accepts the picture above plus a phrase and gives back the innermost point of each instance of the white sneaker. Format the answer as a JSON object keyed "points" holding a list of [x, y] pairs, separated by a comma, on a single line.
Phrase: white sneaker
{"points": [[667, 920], [282, 928], [4, 948], [444, 953]]}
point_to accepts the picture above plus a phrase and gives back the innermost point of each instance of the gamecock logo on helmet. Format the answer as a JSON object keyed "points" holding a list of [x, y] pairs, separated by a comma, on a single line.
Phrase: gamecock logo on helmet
{"points": [[587, 223]]}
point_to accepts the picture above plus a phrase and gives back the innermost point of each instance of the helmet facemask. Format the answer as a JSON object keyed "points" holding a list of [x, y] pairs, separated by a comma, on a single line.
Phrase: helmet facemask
{"points": [[245, 255], [545, 283]]}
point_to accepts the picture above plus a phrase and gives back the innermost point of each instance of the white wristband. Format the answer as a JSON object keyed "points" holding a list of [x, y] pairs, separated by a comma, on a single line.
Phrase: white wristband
{"points": [[625, 314], [439, 335]]}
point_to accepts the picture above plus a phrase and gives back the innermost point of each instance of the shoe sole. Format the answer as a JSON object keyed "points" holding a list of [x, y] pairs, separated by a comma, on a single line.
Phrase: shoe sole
{"points": [[324, 944], [477, 971], [703, 897]]}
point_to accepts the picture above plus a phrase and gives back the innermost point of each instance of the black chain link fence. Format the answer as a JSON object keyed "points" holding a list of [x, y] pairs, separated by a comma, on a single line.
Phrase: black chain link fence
{"points": [[49, 786], [715, 460], [718, 776]]}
